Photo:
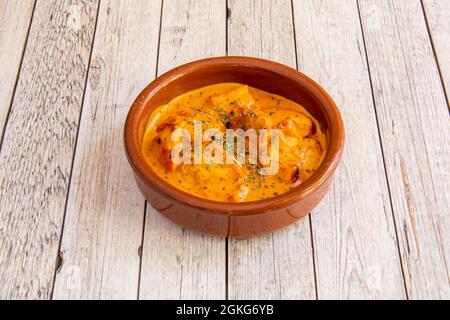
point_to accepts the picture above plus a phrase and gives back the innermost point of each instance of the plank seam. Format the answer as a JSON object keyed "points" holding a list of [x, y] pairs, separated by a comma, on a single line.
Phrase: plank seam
{"points": [[17, 77], [140, 251], [382, 149], [313, 251], [74, 151], [430, 36], [294, 34], [226, 268], [159, 38], [227, 16], [316, 287], [145, 202]]}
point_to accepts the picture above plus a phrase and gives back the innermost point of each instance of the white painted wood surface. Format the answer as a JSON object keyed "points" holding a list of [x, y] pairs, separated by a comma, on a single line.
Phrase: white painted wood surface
{"points": [[105, 210], [178, 263], [438, 18], [353, 230], [414, 125], [13, 34], [383, 230], [38, 145], [281, 263]]}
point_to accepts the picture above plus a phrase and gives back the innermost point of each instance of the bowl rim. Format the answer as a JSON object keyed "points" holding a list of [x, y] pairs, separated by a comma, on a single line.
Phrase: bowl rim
{"points": [[159, 185]]}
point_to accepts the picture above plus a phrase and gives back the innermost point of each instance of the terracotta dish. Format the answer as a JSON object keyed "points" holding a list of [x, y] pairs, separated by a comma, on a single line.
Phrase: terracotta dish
{"points": [[234, 219]]}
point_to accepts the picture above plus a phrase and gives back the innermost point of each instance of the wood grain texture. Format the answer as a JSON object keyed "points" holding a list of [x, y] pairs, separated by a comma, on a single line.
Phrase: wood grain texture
{"points": [[37, 151], [413, 118], [105, 210], [279, 265], [357, 241], [438, 18], [353, 231], [178, 263], [15, 19]]}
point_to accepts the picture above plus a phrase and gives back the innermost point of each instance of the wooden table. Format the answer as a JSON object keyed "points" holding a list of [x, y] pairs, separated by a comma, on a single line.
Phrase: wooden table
{"points": [[73, 224]]}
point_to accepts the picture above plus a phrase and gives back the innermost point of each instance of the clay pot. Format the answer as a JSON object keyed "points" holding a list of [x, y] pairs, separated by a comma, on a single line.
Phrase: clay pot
{"points": [[230, 218]]}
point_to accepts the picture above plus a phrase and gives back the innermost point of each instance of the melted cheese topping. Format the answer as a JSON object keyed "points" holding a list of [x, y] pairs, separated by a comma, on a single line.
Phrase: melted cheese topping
{"points": [[302, 144]]}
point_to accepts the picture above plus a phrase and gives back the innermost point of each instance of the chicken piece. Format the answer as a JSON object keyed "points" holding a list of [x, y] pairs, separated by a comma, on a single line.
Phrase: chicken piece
{"points": [[300, 152], [207, 174], [301, 161], [299, 126], [163, 142], [240, 95], [310, 154], [241, 193], [242, 117], [239, 110]]}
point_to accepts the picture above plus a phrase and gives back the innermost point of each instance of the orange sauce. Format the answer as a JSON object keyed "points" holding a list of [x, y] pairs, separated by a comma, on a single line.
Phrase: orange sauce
{"points": [[302, 144]]}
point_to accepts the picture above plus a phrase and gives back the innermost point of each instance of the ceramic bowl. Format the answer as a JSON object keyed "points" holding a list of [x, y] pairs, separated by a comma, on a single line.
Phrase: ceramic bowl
{"points": [[234, 219]]}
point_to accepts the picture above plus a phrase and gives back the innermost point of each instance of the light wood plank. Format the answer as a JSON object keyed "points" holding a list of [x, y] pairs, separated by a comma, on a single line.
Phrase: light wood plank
{"points": [[178, 263], [353, 230], [413, 118], [278, 265], [438, 17], [104, 218], [37, 151], [15, 19]]}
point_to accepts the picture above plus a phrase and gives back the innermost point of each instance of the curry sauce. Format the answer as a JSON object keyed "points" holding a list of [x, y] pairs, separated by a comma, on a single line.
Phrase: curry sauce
{"points": [[218, 108]]}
